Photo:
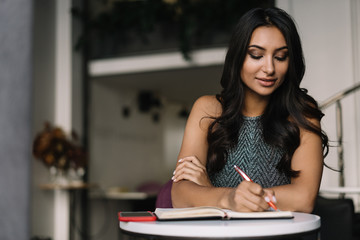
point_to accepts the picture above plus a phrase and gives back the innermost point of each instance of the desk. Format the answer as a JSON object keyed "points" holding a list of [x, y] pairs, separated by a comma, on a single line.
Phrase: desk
{"points": [[303, 226]]}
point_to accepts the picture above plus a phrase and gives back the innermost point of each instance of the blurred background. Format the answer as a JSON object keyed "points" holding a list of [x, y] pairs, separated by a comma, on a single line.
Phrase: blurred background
{"points": [[106, 87]]}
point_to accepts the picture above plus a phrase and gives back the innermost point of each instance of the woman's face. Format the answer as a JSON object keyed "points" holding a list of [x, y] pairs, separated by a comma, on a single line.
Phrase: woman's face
{"points": [[266, 62]]}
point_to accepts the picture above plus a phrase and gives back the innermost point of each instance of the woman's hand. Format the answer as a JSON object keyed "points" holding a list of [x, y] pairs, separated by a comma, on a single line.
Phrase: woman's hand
{"points": [[250, 197], [190, 168]]}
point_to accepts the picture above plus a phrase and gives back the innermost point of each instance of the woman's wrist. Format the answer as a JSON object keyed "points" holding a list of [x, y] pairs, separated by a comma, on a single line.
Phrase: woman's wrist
{"points": [[224, 201]]}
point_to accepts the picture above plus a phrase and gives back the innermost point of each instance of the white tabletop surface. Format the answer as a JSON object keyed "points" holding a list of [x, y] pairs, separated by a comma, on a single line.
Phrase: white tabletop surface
{"points": [[301, 223]]}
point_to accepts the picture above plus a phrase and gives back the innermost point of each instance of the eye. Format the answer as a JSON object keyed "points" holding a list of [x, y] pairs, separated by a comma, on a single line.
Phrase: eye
{"points": [[254, 56], [281, 58], [255, 53]]}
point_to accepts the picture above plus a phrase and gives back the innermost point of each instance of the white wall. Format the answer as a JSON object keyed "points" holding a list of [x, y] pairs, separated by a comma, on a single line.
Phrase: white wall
{"points": [[129, 151], [126, 152], [331, 47]]}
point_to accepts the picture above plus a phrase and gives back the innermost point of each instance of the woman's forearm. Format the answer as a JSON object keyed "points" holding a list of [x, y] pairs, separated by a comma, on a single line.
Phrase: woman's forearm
{"points": [[247, 197], [189, 194], [293, 198]]}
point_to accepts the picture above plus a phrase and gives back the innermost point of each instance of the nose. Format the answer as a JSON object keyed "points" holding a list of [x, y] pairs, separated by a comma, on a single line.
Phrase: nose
{"points": [[268, 66]]}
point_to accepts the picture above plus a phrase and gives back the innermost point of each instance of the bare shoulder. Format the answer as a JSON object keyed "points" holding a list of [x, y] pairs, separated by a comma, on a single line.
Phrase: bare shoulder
{"points": [[313, 122], [204, 111], [305, 134], [208, 106]]}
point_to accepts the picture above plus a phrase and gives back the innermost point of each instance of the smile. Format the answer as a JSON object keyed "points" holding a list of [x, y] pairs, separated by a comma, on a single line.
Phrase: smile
{"points": [[266, 82]]}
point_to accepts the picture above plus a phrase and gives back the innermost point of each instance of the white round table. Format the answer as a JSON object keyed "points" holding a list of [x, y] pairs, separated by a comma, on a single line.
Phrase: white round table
{"points": [[302, 225]]}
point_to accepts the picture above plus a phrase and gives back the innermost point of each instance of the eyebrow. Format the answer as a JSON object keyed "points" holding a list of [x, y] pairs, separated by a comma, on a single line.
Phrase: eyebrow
{"points": [[278, 49]]}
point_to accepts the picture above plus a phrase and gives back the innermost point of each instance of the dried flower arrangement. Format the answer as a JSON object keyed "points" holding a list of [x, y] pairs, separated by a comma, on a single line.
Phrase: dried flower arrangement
{"points": [[57, 151]]}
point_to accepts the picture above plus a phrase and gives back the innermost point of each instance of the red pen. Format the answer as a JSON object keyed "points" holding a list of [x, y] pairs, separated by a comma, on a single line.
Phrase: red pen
{"points": [[246, 177]]}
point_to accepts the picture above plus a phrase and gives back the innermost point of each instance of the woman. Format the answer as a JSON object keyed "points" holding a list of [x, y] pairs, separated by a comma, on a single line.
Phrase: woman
{"points": [[261, 121]]}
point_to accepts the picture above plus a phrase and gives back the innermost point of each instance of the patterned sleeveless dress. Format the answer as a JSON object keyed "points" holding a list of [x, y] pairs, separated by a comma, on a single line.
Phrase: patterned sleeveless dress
{"points": [[255, 157]]}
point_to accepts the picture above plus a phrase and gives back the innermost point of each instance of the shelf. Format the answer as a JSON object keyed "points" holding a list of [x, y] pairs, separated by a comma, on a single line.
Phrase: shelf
{"points": [[123, 195], [70, 186], [338, 190], [156, 62]]}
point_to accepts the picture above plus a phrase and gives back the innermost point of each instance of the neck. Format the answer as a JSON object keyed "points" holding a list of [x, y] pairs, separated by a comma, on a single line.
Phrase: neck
{"points": [[254, 105]]}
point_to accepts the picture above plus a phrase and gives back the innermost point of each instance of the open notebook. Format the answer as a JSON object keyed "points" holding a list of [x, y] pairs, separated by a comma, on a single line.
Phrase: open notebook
{"points": [[216, 213]]}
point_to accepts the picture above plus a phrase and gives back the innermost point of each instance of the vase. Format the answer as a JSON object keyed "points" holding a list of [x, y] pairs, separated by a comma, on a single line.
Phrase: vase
{"points": [[58, 176], [76, 175]]}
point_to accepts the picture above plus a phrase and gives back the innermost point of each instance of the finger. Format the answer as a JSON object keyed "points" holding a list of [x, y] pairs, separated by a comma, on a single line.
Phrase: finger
{"points": [[194, 160], [254, 202], [189, 177], [250, 195], [246, 203], [188, 170], [193, 166], [251, 187], [270, 194], [252, 207], [255, 188], [190, 165]]}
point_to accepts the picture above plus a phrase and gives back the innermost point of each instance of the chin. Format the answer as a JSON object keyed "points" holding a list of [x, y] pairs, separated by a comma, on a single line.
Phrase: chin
{"points": [[266, 93]]}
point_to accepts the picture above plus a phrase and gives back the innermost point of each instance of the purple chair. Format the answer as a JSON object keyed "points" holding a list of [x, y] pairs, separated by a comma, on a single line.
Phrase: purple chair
{"points": [[163, 199]]}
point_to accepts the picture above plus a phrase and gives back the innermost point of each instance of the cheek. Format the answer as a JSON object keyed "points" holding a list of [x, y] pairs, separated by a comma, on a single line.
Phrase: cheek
{"points": [[282, 71], [282, 74], [249, 68]]}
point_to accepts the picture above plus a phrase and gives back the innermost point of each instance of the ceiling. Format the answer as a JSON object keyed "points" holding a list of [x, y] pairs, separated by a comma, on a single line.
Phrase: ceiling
{"points": [[179, 85]]}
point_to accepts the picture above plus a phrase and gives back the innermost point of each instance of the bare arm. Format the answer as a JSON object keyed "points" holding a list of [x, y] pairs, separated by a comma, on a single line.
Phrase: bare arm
{"points": [[187, 193], [300, 195], [193, 190]]}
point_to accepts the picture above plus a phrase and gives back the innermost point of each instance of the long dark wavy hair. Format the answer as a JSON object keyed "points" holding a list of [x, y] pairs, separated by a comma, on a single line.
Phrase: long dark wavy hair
{"points": [[289, 107]]}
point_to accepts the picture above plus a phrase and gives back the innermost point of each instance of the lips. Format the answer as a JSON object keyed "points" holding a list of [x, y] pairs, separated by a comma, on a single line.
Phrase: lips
{"points": [[267, 82]]}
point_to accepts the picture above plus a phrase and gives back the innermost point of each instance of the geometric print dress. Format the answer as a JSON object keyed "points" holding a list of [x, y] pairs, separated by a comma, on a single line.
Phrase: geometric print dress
{"points": [[255, 157]]}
